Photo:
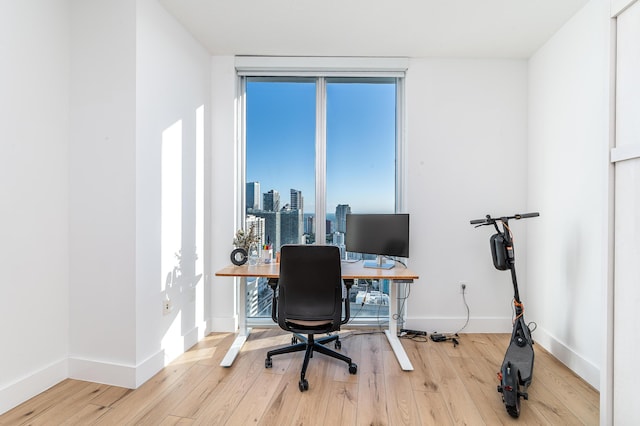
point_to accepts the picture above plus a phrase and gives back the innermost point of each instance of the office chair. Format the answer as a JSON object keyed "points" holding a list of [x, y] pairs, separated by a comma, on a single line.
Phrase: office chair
{"points": [[307, 299]]}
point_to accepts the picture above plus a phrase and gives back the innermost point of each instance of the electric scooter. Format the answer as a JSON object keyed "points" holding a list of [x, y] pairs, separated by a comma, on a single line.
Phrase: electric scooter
{"points": [[517, 368]]}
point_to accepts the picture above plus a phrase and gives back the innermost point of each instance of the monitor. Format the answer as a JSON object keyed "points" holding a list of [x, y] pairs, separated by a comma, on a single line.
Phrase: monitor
{"points": [[378, 234]]}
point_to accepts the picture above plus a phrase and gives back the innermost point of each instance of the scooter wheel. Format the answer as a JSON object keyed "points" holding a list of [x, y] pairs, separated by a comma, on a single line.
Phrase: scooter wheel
{"points": [[514, 411], [511, 391]]}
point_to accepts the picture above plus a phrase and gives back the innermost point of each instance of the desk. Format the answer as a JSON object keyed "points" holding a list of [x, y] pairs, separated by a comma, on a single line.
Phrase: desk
{"points": [[350, 271]]}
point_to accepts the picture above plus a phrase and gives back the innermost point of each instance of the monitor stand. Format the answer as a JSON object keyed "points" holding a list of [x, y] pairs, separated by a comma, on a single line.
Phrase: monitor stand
{"points": [[378, 263]]}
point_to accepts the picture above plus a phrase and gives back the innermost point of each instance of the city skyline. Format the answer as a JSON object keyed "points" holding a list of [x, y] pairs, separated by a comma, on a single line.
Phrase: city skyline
{"points": [[279, 224]]}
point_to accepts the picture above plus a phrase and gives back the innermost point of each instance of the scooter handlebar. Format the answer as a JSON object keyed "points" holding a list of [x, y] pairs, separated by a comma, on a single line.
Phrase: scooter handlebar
{"points": [[491, 220], [478, 221], [526, 215]]}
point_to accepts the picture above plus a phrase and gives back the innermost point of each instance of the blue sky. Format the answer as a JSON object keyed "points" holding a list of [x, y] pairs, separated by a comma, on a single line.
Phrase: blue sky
{"points": [[360, 143]]}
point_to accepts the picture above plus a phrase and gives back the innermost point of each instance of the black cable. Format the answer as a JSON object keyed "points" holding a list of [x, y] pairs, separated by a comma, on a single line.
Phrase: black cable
{"points": [[393, 259], [421, 338], [464, 299]]}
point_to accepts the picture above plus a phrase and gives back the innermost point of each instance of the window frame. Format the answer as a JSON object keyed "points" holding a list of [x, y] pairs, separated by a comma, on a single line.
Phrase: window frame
{"points": [[320, 69]]}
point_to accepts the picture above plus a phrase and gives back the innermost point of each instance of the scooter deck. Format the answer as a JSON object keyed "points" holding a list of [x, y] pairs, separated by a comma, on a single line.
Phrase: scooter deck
{"points": [[521, 358]]}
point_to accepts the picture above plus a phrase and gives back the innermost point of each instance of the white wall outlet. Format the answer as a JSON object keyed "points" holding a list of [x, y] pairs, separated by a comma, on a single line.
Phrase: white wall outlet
{"points": [[167, 306]]}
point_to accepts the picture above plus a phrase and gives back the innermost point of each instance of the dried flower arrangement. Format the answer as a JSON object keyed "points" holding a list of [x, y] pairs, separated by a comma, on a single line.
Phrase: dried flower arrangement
{"points": [[245, 239]]}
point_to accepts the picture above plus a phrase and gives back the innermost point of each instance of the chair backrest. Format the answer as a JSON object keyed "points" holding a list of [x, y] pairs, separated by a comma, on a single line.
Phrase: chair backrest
{"points": [[310, 284]]}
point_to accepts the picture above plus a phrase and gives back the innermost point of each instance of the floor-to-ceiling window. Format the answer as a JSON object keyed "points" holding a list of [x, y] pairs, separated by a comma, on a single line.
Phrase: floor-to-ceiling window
{"points": [[315, 149]]}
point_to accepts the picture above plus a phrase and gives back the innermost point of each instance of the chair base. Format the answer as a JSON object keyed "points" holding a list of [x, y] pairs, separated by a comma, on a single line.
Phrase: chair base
{"points": [[311, 345]]}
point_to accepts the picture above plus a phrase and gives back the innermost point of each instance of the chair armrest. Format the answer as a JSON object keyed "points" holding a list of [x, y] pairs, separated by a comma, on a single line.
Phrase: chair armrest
{"points": [[347, 311], [273, 283]]}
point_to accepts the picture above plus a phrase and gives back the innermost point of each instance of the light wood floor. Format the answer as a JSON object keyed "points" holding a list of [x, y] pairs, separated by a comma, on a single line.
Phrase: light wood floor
{"points": [[450, 385]]}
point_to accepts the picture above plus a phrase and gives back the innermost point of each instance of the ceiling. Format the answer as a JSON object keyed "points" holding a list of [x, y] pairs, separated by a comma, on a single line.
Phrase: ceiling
{"points": [[412, 28]]}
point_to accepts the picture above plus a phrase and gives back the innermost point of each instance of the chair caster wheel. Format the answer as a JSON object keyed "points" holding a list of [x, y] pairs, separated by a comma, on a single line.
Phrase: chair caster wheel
{"points": [[353, 368], [303, 385], [338, 344], [268, 363], [294, 340]]}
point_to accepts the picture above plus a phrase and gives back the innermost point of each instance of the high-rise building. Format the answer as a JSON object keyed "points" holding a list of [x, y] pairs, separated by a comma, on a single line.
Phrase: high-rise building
{"points": [[271, 227], [252, 195], [291, 227], [310, 225], [271, 201], [342, 210], [296, 200], [338, 240]]}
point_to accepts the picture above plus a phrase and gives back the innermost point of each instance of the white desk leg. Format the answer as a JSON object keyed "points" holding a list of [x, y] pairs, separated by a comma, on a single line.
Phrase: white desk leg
{"points": [[391, 333], [243, 331]]}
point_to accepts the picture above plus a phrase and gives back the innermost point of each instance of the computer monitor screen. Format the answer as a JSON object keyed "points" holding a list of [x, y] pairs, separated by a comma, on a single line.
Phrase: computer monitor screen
{"points": [[379, 234]]}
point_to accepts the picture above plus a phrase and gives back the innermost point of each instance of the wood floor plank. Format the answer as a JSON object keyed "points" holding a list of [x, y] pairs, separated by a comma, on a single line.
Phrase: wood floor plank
{"points": [[256, 401], [175, 421], [432, 409], [40, 404], [146, 395], [194, 398], [372, 399], [342, 406], [88, 414], [284, 401], [371, 353], [71, 404], [224, 399], [448, 386], [461, 407], [312, 409], [166, 403]]}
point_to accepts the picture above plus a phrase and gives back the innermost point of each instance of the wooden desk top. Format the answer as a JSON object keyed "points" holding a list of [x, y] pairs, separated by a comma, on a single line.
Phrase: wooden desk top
{"points": [[350, 270]]}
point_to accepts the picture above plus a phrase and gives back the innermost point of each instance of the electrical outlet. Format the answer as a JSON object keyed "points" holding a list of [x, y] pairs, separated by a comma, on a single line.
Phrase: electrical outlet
{"points": [[464, 287], [167, 306]]}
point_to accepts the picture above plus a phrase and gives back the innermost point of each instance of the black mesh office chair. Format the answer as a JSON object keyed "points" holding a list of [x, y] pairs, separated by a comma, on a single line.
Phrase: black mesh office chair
{"points": [[307, 299]]}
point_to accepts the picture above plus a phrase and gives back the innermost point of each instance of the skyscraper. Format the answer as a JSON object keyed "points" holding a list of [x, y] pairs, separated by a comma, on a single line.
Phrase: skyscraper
{"points": [[253, 196], [271, 201], [297, 202], [342, 210], [291, 227], [310, 225]]}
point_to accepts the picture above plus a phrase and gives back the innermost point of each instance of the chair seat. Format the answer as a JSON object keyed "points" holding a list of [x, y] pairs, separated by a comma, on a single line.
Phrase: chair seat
{"points": [[309, 323]]}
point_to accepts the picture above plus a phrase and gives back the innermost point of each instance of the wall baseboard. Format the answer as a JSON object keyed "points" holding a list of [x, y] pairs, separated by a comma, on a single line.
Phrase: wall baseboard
{"points": [[113, 374], [102, 372], [20, 391], [579, 365], [131, 376]]}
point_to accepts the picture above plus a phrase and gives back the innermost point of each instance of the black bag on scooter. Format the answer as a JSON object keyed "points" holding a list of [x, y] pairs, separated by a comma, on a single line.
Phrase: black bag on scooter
{"points": [[499, 252]]}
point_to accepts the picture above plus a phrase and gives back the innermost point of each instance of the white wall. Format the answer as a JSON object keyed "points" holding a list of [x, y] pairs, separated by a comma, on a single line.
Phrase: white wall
{"points": [[172, 94], [224, 191], [139, 83], [34, 129], [467, 147], [102, 186], [568, 179]]}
